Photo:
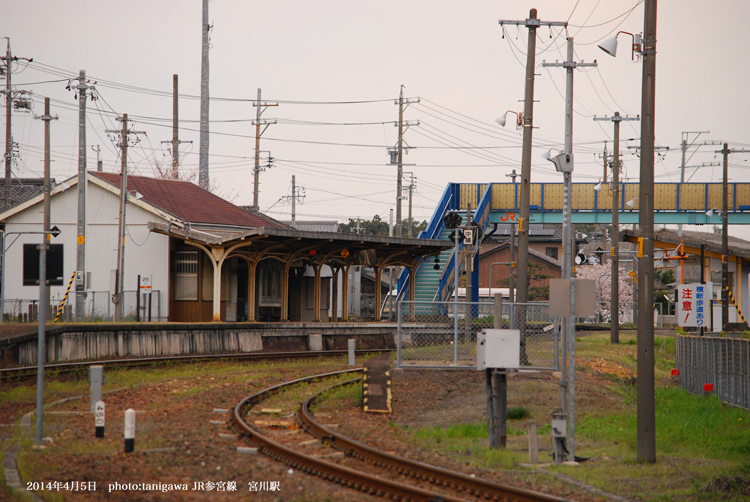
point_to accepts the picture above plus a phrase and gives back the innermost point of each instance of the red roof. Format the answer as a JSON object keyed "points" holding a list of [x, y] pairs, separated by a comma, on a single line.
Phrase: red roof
{"points": [[189, 202]]}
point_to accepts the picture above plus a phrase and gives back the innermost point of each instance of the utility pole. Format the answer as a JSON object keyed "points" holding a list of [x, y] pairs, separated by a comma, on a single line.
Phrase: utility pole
{"points": [[117, 299], [402, 126], [10, 96], [46, 118], [646, 409], [203, 180], [411, 187], [512, 272], [294, 201], [605, 162], [175, 172], [684, 145], [43, 288], [82, 87], [8, 135], [725, 235], [298, 193], [528, 126], [175, 127], [615, 261], [725, 241], [412, 184], [260, 108], [98, 162], [390, 272], [568, 272]]}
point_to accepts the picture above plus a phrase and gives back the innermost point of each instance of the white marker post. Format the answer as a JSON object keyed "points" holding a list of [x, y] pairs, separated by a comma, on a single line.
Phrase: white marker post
{"points": [[351, 345], [99, 419], [96, 378], [129, 431]]}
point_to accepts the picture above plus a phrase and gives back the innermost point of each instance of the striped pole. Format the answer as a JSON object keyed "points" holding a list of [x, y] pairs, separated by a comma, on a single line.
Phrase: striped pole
{"points": [[65, 298], [731, 297]]}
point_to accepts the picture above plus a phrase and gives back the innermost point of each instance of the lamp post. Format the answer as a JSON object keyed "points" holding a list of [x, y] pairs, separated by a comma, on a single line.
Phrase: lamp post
{"points": [[646, 409], [502, 120]]}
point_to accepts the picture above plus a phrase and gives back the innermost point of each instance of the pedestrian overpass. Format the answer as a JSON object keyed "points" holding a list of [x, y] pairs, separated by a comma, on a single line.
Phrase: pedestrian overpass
{"points": [[674, 203]]}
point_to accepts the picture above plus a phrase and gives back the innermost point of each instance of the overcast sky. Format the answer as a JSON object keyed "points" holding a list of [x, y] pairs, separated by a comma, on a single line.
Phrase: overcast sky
{"points": [[316, 58]]}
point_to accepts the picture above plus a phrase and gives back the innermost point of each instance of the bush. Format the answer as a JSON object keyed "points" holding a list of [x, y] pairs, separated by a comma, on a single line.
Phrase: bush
{"points": [[518, 413]]}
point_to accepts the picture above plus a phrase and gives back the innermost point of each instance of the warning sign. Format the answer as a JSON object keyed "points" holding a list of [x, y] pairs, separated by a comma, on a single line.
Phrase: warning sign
{"points": [[344, 253], [692, 304]]}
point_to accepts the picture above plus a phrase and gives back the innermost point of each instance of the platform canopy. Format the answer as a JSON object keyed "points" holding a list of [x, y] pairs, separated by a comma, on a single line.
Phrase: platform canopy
{"points": [[292, 246]]}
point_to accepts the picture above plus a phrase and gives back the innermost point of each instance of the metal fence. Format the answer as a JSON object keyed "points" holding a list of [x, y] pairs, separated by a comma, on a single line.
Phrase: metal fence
{"points": [[444, 334], [723, 362], [99, 307]]}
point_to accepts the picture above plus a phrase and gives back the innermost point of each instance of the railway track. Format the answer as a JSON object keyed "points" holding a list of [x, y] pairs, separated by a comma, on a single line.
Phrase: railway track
{"points": [[426, 483], [27, 372]]}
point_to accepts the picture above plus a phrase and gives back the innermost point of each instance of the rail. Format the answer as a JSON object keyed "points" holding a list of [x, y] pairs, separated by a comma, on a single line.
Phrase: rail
{"points": [[362, 481], [476, 487], [24, 372]]}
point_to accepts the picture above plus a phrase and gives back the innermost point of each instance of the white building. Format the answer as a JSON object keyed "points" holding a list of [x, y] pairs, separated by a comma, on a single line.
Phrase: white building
{"points": [[170, 202]]}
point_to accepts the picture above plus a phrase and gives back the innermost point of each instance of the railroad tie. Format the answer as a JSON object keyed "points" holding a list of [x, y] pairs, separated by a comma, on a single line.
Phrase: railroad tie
{"points": [[731, 297]]}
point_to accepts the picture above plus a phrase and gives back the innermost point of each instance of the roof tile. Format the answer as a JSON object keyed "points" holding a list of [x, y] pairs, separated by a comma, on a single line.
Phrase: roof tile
{"points": [[189, 202]]}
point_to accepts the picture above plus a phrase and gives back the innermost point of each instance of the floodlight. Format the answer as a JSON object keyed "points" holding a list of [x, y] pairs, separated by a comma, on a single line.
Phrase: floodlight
{"points": [[609, 46]]}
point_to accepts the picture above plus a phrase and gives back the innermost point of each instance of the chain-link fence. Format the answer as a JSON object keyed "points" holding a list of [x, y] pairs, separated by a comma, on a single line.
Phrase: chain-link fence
{"points": [[99, 307], [444, 334], [723, 362]]}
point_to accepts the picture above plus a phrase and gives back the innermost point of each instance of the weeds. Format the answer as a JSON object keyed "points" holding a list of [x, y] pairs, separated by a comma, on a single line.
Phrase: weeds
{"points": [[518, 413]]}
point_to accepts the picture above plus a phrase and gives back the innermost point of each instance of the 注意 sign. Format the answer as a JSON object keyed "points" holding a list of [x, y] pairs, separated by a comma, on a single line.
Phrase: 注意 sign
{"points": [[692, 304]]}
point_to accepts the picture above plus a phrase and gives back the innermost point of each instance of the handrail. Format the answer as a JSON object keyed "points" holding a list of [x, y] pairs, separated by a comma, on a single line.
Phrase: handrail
{"points": [[434, 228], [482, 214]]}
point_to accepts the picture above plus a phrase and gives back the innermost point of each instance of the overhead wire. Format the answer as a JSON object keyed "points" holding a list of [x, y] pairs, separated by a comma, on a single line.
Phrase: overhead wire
{"points": [[626, 15]]}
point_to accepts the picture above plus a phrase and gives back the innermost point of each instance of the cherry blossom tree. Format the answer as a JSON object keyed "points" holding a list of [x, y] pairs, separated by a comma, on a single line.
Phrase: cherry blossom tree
{"points": [[602, 277]]}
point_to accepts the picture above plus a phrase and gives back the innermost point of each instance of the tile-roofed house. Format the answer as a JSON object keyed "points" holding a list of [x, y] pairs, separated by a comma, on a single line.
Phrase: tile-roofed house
{"points": [[20, 190], [545, 238], [190, 203], [500, 254]]}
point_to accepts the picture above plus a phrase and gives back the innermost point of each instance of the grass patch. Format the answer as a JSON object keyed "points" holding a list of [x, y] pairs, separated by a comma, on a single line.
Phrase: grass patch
{"points": [[518, 413], [703, 445], [686, 425]]}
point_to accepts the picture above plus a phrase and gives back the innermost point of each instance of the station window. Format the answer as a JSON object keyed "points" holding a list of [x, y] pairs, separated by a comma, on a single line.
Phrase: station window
{"points": [[186, 276], [31, 265]]}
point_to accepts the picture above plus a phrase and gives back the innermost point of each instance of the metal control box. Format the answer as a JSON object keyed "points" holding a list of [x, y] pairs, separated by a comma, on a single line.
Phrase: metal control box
{"points": [[498, 348]]}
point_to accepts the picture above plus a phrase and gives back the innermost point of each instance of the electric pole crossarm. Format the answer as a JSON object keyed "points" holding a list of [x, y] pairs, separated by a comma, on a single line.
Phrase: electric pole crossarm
{"points": [[265, 123], [533, 23], [170, 142], [568, 65], [264, 105], [616, 118]]}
